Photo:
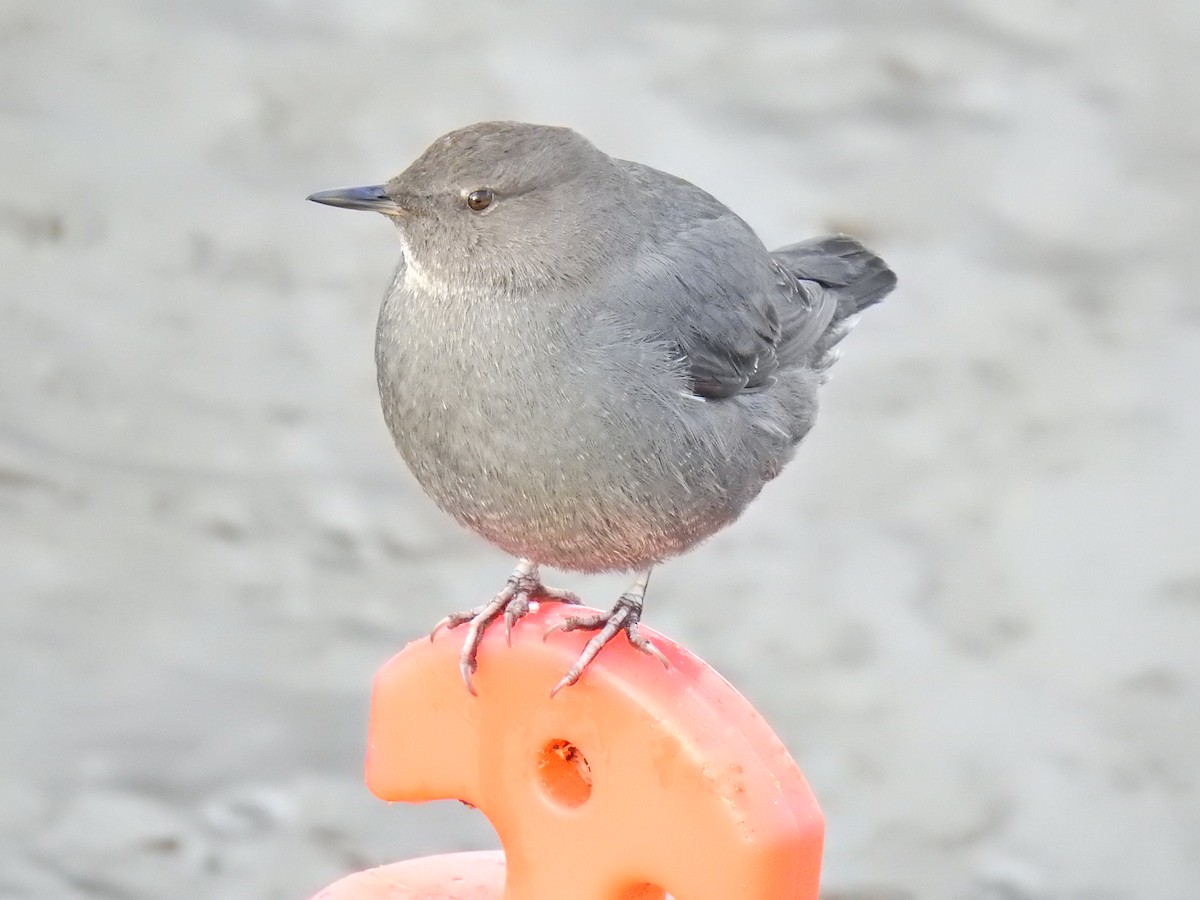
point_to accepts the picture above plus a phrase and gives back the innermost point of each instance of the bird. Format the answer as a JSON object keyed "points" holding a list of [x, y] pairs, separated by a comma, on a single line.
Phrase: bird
{"points": [[591, 363]]}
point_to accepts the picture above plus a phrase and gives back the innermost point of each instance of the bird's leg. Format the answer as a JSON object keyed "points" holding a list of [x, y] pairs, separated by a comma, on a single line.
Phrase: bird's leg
{"points": [[523, 586], [624, 616]]}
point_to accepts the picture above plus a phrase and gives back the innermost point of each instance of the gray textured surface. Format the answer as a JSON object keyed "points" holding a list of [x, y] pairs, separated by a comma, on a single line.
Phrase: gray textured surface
{"points": [[990, 540]]}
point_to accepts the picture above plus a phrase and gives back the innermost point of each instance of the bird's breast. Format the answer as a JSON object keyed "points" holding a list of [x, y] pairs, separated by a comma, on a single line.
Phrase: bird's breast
{"points": [[546, 438], [482, 397]]}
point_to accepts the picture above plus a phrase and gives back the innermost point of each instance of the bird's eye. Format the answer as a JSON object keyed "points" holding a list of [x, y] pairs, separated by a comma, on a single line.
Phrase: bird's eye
{"points": [[480, 199]]}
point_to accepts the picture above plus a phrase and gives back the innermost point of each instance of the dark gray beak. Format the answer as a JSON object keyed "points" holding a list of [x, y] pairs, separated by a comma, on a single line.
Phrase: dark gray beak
{"points": [[372, 197]]}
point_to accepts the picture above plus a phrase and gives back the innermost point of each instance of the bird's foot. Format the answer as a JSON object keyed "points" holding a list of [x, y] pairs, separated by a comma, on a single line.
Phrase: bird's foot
{"points": [[624, 616], [523, 587]]}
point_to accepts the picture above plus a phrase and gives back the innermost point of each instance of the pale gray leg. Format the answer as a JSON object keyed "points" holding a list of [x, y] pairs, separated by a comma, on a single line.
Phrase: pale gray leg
{"points": [[523, 586], [624, 616]]}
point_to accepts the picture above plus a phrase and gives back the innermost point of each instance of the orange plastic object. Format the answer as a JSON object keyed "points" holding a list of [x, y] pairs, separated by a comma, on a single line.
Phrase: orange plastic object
{"points": [[635, 781], [462, 876]]}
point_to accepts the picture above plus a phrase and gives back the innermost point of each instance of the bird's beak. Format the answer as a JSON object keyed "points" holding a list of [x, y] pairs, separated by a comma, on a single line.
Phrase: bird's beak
{"points": [[373, 197]]}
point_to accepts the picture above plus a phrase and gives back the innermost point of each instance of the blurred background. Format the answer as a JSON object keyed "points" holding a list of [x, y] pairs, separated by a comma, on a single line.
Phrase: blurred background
{"points": [[971, 606]]}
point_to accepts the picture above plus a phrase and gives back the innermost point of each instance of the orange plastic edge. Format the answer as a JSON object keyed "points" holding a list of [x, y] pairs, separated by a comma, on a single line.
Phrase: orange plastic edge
{"points": [[635, 781]]}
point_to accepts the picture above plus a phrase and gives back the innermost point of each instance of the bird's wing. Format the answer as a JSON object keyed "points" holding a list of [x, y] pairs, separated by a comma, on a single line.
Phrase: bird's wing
{"points": [[703, 295], [728, 337], [704, 286]]}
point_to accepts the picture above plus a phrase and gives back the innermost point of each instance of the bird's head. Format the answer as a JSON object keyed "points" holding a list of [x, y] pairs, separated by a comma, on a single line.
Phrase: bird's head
{"points": [[504, 204]]}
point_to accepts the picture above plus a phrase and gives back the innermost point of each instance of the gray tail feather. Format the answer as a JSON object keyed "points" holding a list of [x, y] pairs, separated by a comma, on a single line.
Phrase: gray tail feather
{"points": [[831, 280]]}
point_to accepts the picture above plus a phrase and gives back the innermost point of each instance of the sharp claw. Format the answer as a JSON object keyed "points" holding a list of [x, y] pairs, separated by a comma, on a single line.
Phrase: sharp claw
{"points": [[453, 620], [573, 623], [466, 667], [645, 645], [566, 681], [468, 661], [650, 650]]}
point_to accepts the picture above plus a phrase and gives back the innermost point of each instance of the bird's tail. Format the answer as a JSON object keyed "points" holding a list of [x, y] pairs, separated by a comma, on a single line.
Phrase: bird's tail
{"points": [[830, 281]]}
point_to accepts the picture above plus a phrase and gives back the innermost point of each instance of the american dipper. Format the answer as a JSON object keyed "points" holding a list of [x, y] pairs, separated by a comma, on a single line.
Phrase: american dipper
{"points": [[593, 364]]}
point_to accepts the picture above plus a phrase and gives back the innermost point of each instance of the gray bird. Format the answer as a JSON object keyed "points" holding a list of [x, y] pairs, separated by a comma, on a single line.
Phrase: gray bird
{"points": [[591, 363]]}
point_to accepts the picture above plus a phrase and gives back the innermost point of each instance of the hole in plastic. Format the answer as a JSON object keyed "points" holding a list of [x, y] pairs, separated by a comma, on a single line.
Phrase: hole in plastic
{"points": [[564, 773]]}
